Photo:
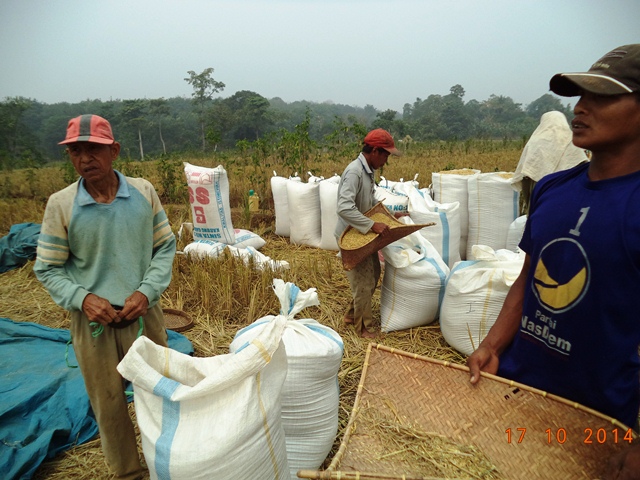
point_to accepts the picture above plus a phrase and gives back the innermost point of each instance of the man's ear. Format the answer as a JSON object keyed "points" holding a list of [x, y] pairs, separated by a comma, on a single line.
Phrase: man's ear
{"points": [[115, 150]]}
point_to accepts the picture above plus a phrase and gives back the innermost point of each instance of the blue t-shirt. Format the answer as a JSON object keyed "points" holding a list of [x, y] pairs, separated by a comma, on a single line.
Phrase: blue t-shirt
{"points": [[580, 329]]}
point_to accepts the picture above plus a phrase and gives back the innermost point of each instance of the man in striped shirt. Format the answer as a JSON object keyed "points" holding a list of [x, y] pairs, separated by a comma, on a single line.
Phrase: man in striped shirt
{"points": [[105, 254]]}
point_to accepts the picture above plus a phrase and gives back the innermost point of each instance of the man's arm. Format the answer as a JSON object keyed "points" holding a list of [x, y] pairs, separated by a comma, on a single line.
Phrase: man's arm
{"points": [[53, 252], [158, 275], [486, 357], [346, 207]]}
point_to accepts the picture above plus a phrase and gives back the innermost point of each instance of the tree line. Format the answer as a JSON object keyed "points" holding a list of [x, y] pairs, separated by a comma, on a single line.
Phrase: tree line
{"points": [[30, 130]]}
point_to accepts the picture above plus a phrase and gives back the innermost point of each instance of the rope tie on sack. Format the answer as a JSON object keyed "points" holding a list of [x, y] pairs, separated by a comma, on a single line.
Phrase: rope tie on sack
{"points": [[98, 328]]}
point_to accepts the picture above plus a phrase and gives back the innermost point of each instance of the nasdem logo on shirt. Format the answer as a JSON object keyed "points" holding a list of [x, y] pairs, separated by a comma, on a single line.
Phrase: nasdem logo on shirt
{"points": [[561, 285]]}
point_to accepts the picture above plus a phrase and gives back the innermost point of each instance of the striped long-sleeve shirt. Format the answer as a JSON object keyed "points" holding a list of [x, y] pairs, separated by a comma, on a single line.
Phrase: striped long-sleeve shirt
{"points": [[110, 250]]}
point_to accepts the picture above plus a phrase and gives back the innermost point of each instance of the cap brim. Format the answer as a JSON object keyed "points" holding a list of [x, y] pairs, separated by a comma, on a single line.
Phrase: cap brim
{"points": [[572, 84], [394, 151], [87, 138]]}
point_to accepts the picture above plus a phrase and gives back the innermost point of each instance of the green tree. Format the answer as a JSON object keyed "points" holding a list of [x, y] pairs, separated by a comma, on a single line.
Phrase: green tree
{"points": [[159, 109], [14, 138], [385, 120], [246, 115], [133, 114], [250, 114], [547, 103], [454, 116], [204, 86], [296, 148], [346, 137], [500, 109]]}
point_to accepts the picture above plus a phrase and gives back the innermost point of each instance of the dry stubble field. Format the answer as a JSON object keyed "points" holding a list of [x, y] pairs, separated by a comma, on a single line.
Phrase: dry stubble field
{"points": [[222, 295]]}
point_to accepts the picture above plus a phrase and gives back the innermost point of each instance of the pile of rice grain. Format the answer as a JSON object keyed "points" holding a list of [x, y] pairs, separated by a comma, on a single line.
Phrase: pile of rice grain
{"points": [[353, 239]]}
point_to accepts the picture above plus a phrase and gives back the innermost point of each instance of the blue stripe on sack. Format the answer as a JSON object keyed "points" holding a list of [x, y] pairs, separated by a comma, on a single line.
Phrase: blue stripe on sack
{"points": [[515, 204], [220, 206], [443, 281], [170, 420], [293, 296], [246, 329], [323, 332], [445, 236], [464, 264]]}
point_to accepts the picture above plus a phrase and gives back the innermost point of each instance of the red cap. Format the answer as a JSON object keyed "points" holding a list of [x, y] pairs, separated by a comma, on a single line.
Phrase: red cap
{"points": [[382, 139], [89, 128]]}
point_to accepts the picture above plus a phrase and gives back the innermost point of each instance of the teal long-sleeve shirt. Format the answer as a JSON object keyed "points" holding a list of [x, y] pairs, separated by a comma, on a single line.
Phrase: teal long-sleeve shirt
{"points": [[110, 250]]}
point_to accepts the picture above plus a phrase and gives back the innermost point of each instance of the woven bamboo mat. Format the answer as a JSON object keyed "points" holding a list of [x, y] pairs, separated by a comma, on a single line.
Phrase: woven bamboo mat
{"points": [[549, 436]]}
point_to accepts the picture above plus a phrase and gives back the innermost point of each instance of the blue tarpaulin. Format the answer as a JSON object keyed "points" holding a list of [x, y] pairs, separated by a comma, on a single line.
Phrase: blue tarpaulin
{"points": [[19, 246], [44, 407]]}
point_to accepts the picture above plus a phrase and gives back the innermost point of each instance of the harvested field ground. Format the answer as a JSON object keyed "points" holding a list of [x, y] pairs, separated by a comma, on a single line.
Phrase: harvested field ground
{"points": [[223, 295]]}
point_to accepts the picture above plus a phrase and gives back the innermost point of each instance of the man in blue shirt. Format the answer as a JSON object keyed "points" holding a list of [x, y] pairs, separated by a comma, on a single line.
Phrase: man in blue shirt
{"points": [[569, 325]]}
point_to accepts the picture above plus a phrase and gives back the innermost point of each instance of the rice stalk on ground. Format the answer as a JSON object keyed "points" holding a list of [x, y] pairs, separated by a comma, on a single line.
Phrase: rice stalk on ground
{"points": [[223, 295]]}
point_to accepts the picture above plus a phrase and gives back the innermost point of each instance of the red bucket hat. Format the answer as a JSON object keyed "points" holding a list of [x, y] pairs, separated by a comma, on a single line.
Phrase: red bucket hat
{"points": [[382, 139], [89, 128]]}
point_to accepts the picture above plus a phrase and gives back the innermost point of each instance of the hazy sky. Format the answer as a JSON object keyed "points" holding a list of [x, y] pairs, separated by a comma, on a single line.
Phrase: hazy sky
{"points": [[355, 52]]}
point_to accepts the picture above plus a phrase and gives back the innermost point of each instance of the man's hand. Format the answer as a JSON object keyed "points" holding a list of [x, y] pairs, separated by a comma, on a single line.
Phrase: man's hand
{"points": [[98, 309], [380, 228], [625, 465], [134, 306], [483, 359]]}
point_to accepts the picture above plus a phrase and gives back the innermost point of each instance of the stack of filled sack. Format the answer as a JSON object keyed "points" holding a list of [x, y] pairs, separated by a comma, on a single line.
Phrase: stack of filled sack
{"points": [[265, 410], [212, 227]]}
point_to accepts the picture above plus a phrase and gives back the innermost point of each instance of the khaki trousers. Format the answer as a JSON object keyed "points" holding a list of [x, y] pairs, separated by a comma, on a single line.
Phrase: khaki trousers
{"points": [[98, 358], [363, 279]]}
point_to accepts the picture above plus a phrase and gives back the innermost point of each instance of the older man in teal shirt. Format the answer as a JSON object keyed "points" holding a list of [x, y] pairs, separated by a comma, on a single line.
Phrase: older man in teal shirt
{"points": [[105, 253]]}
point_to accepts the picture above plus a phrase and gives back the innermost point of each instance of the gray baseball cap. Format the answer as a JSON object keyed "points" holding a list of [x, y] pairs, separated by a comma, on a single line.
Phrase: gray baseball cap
{"points": [[615, 73]]}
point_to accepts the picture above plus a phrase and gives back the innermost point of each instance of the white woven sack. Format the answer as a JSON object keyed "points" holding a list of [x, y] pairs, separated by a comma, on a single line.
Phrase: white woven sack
{"points": [[304, 213], [413, 283], [215, 417], [260, 261], [205, 248], [445, 234], [385, 183], [311, 178], [395, 202], [246, 238], [450, 187], [281, 203], [427, 192], [493, 205], [401, 186], [474, 295], [549, 149], [328, 209], [209, 199], [514, 233], [310, 395]]}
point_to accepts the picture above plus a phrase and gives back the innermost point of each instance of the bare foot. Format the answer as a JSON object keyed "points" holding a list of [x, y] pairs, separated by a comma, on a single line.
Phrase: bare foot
{"points": [[348, 320], [367, 334]]}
